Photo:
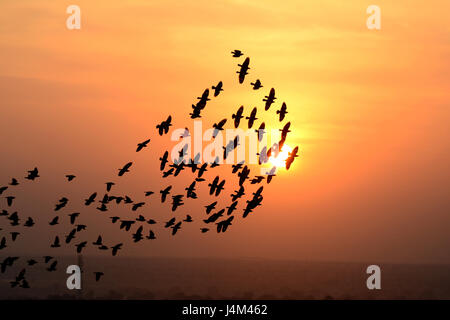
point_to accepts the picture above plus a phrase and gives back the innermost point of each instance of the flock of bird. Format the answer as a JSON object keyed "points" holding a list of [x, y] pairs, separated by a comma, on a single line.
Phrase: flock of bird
{"points": [[222, 218]]}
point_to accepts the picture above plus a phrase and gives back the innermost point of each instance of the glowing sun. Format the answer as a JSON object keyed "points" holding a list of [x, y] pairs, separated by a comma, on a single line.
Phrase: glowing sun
{"points": [[279, 160]]}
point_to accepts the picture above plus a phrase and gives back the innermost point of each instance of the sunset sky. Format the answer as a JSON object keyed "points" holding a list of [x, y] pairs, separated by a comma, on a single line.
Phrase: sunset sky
{"points": [[370, 112]]}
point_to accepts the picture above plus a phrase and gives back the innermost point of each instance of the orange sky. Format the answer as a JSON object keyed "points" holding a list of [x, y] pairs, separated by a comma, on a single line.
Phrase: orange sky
{"points": [[369, 110]]}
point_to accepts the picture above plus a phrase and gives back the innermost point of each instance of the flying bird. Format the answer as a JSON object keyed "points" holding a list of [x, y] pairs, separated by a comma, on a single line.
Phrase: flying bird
{"points": [[70, 177], [73, 217], [217, 88], [252, 118], [256, 85], [56, 243], [291, 156], [282, 112], [33, 174], [9, 200], [54, 221], [210, 207], [98, 275], [163, 127], [237, 53], [243, 70], [29, 223], [125, 168], [238, 116], [164, 193], [269, 99], [91, 199], [142, 145], [52, 266], [81, 246], [14, 235], [98, 242], [108, 189], [151, 235]]}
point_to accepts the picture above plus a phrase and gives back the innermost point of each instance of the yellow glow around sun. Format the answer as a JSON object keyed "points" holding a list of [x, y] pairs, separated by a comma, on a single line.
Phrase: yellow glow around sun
{"points": [[279, 160]]}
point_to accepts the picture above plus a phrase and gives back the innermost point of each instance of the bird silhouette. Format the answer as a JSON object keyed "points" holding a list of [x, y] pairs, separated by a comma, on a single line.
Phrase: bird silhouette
{"points": [[151, 235], [170, 223], [168, 172], [31, 262], [141, 218], [238, 194], [164, 160], [237, 53], [163, 127], [243, 175], [291, 156], [256, 85], [125, 169], [29, 223], [98, 275], [176, 227], [260, 131], [14, 235], [91, 199], [102, 207], [218, 127], [251, 119], [137, 236], [70, 177], [81, 227], [109, 186], [14, 218], [98, 242], [71, 236], [269, 99], [210, 207], [222, 226], [164, 193], [73, 217], [282, 112], [126, 224], [9, 200], [137, 205], [3, 189], [177, 201], [238, 116], [54, 221], [142, 145], [47, 259], [81, 246], [52, 266], [217, 88], [61, 204], [33, 174], [114, 219], [116, 248], [202, 170], [243, 70], [55, 243], [232, 207], [214, 217], [3, 243]]}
